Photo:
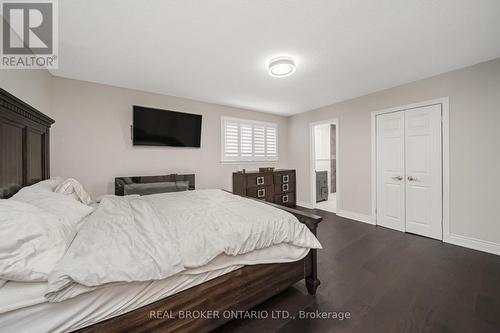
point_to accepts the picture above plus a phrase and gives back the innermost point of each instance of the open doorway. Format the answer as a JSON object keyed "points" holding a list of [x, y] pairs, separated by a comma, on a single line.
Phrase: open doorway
{"points": [[324, 145]]}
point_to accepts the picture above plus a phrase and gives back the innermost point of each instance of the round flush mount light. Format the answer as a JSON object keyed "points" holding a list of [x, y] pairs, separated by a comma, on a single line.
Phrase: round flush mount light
{"points": [[281, 66]]}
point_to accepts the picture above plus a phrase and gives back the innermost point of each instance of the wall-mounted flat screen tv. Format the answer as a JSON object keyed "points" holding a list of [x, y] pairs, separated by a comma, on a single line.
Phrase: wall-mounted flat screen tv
{"points": [[155, 127]]}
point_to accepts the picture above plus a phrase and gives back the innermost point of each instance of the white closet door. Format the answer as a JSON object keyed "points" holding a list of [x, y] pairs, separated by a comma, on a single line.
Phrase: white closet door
{"points": [[424, 171], [390, 171]]}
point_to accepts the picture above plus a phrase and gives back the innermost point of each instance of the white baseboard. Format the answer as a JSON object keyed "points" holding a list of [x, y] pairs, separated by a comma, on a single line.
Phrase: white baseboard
{"points": [[473, 243], [356, 216], [305, 204], [464, 241]]}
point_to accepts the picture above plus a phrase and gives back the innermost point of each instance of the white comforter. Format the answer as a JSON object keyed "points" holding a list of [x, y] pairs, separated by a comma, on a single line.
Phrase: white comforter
{"points": [[156, 236]]}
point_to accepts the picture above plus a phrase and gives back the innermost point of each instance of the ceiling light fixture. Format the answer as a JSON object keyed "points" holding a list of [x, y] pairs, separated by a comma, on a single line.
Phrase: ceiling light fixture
{"points": [[281, 66]]}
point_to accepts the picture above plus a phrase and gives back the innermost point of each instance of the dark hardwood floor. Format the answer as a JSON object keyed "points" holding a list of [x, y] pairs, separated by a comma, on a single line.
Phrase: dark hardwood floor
{"points": [[390, 282]]}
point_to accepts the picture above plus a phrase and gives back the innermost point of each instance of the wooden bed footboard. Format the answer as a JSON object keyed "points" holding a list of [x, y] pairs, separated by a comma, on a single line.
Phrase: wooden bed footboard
{"points": [[219, 298], [239, 290], [311, 221]]}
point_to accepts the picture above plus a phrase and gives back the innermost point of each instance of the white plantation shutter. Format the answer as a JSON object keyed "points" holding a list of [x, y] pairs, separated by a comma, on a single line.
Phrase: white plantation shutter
{"points": [[231, 139], [248, 140], [259, 141], [271, 142]]}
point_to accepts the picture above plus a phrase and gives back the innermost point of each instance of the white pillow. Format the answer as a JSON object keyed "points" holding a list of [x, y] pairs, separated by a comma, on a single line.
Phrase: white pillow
{"points": [[32, 241], [2, 282], [47, 185], [64, 207], [71, 187]]}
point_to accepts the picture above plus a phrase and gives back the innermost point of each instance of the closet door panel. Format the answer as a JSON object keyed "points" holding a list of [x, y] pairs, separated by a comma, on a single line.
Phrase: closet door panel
{"points": [[390, 171], [423, 171]]}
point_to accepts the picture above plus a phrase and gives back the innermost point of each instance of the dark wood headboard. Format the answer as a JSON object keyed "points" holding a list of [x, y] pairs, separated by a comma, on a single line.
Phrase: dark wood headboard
{"points": [[121, 181], [24, 145]]}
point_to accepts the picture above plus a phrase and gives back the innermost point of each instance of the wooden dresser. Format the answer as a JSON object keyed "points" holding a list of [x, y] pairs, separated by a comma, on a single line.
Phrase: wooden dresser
{"points": [[276, 186]]}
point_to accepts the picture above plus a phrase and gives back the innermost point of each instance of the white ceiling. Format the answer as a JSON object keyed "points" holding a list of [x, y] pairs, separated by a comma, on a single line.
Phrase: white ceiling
{"points": [[216, 50]]}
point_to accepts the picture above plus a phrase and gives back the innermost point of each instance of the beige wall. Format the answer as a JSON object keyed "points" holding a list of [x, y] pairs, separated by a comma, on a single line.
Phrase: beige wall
{"points": [[32, 86], [474, 95], [91, 137]]}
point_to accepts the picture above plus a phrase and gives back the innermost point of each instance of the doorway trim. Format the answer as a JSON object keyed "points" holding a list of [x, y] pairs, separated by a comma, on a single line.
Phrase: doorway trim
{"points": [[445, 119], [312, 160]]}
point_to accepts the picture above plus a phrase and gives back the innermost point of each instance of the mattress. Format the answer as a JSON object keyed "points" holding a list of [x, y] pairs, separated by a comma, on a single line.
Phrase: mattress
{"points": [[23, 307]]}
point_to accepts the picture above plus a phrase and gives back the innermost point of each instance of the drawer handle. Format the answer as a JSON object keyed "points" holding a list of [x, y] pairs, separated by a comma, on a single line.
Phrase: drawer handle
{"points": [[285, 178], [261, 193], [260, 180], [285, 198], [285, 187]]}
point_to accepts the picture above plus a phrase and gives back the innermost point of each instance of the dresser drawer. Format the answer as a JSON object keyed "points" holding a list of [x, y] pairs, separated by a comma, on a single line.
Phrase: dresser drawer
{"points": [[261, 192], [277, 186], [284, 188], [285, 199], [259, 179], [284, 177]]}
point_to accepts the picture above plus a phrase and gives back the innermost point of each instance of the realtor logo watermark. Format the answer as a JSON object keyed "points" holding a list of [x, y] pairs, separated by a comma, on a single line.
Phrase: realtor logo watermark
{"points": [[29, 34]]}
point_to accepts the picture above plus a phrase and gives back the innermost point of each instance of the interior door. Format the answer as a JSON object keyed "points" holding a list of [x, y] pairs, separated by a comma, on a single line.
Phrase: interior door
{"points": [[390, 170], [423, 160]]}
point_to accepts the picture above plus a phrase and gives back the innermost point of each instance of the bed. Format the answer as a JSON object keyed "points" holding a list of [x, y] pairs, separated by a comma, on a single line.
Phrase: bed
{"points": [[231, 283]]}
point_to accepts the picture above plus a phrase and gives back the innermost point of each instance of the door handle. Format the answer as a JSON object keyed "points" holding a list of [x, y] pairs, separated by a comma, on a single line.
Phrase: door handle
{"points": [[412, 179], [397, 178]]}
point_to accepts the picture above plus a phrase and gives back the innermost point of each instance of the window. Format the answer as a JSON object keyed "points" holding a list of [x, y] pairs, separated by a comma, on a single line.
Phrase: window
{"points": [[248, 140]]}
